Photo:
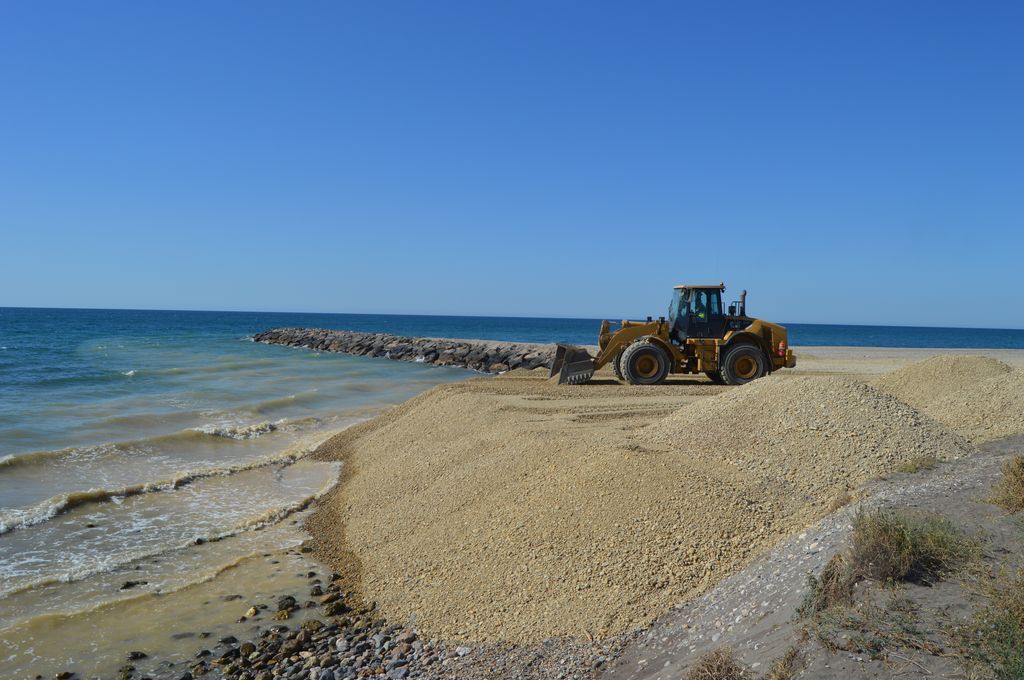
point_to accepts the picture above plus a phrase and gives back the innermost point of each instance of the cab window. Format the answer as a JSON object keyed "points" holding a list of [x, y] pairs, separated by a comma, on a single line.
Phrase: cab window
{"points": [[716, 304], [699, 305]]}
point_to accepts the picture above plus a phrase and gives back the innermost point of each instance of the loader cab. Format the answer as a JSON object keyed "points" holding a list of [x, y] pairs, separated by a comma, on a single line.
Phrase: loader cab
{"points": [[696, 312]]}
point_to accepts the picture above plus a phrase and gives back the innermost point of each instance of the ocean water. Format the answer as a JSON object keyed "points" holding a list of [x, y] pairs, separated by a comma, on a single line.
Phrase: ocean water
{"points": [[160, 447], [129, 440]]}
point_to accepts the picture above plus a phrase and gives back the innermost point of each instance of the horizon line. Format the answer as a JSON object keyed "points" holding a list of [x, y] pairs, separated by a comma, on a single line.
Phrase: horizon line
{"points": [[472, 316]]}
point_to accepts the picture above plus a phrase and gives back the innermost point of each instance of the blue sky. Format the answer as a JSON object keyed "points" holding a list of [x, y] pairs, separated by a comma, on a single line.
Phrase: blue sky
{"points": [[845, 162]]}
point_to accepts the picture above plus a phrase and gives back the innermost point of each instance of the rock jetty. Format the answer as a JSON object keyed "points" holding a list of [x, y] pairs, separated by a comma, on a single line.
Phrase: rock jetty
{"points": [[479, 355]]}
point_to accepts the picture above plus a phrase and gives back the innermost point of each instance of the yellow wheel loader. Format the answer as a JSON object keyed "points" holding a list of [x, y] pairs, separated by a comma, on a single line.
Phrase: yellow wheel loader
{"points": [[698, 336]]}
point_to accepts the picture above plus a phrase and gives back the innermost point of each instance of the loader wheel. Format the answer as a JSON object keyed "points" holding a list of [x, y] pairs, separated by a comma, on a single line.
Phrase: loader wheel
{"points": [[617, 366], [715, 376], [743, 363], [644, 363]]}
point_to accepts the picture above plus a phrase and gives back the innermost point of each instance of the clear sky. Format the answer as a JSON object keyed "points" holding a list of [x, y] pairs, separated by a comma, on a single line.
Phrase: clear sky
{"points": [[857, 162]]}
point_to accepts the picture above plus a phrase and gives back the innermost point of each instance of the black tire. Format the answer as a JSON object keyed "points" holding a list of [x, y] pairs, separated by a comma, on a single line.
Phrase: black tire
{"points": [[742, 363], [715, 376], [617, 366], [645, 363]]}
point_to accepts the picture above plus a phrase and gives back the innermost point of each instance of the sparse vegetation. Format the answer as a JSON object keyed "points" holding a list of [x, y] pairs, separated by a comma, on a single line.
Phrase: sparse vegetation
{"points": [[887, 546], [786, 666], [874, 629], [896, 546], [719, 664], [997, 633], [919, 464], [832, 588], [1009, 491], [840, 501]]}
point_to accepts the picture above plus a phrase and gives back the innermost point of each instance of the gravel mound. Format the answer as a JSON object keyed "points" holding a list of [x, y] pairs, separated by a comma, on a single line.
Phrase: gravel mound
{"points": [[484, 520], [810, 438], [978, 397], [488, 510]]}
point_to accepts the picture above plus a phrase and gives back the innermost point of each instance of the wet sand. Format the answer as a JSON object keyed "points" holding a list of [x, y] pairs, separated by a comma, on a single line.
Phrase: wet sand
{"points": [[168, 628]]}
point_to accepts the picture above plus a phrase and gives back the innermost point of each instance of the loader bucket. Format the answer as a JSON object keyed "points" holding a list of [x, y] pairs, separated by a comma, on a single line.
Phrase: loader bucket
{"points": [[572, 365]]}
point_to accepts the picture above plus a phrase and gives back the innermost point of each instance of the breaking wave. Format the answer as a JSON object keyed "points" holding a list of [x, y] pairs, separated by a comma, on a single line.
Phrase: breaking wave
{"points": [[238, 431], [265, 519], [20, 518], [221, 430]]}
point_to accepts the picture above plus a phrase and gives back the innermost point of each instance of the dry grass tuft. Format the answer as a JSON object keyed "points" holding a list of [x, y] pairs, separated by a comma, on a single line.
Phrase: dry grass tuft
{"points": [[833, 588], [1009, 491], [840, 501], [719, 664], [894, 546], [886, 546], [786, 666], [918, 464], [1011, 599]]}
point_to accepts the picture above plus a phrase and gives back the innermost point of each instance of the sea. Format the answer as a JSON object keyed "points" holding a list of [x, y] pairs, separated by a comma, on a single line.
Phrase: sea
{"points": [[152, 462]]}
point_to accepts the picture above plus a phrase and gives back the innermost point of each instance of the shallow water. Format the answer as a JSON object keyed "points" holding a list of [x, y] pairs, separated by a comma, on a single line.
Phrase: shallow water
{"points": [[181, 611], [164, 448]]}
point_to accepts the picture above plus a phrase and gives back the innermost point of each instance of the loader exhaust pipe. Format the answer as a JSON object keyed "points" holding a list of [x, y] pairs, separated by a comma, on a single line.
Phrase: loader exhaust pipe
{"points": [[572, 365]]}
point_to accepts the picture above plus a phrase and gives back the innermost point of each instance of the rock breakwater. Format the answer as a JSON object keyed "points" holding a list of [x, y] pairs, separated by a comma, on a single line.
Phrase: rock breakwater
{"points": [[479, 355]]}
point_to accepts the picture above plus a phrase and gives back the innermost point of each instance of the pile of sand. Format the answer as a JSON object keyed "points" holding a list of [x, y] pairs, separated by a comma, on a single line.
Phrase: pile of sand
{"points": [[484, 522], [979, 397], [485, 510], [811, 438]]}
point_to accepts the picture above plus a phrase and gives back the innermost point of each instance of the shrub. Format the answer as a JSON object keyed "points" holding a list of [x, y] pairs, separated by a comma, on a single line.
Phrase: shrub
{"points": [[894, 546], [833, 587], [719, 664], [1009, 490]]}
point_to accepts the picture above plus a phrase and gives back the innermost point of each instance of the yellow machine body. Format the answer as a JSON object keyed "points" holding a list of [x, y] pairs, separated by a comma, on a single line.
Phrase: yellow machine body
{"points": [[765, 347], [697, 355]]}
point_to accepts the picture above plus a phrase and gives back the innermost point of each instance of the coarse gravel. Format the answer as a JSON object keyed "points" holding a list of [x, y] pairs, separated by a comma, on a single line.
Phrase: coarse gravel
{"points": [[810, 439], [979, 397], [511, 509]]}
